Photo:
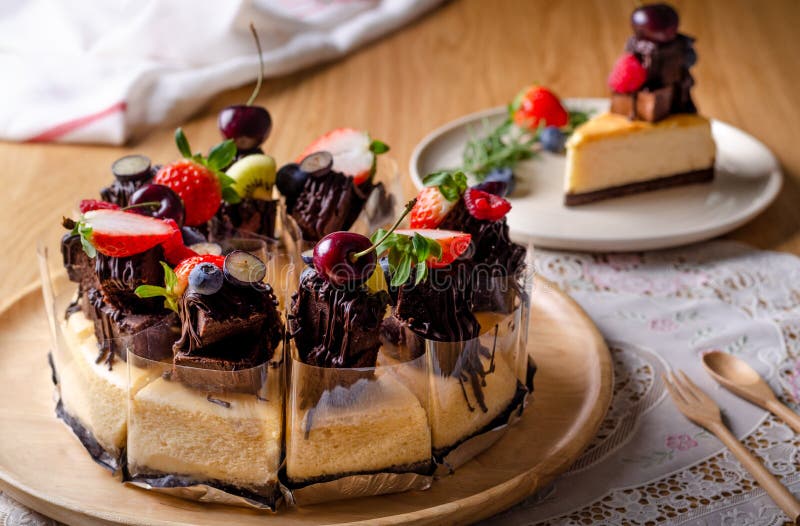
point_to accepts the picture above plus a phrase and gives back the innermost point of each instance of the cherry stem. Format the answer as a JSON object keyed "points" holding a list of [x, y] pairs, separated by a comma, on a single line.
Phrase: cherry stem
{"points": [[260, 67], [142, 205], [409, 206]]}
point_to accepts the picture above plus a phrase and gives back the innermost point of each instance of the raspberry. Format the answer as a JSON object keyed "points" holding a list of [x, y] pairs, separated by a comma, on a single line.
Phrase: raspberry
{"points": [[94, 204], [485, 206], [628, 74]]}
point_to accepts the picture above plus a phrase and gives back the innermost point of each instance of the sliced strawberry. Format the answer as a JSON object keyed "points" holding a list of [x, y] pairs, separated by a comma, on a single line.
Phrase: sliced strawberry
{"points": [[184, 268], [453, 243], [174, 249], [485, 206], [352, 152], [116, 233], [87, 205], [430, 208]]}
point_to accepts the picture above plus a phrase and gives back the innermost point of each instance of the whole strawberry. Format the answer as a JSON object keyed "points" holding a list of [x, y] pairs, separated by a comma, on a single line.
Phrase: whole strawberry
{"points": [[538, 106], [434, 202], [199, 181]]}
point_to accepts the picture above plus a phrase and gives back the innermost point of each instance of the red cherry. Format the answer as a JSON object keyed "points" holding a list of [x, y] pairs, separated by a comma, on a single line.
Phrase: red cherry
{"points": [[655, 22], [248, 126], [333, 258]]}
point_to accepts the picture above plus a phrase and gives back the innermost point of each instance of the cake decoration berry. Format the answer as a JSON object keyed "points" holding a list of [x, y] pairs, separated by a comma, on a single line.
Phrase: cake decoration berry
{"points": [[485, 206], [537, 106], [199, 181], [628, 74]]}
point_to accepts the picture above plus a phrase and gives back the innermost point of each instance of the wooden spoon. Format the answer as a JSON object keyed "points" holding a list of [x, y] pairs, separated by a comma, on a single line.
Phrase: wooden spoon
{"points": [[742, 380]]}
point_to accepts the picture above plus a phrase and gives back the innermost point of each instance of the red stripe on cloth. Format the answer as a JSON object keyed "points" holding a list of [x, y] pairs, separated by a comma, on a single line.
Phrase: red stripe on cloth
{"points": [[59, 130]]}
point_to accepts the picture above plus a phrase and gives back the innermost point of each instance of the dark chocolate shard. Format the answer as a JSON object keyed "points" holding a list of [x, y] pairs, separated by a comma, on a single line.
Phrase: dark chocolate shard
{"points": [[328, 204]]}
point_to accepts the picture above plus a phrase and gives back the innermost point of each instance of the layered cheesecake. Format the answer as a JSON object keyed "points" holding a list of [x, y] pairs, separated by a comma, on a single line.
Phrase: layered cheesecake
{"points": [[222, 439], [612, 156], [373, 425], [93, 397], [652, 137], [345, 416]]}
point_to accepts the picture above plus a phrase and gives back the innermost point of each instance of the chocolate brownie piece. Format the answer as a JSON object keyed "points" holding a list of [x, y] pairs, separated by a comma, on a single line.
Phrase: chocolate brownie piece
{"points": [[119, 278], [328, 204], [335, 327], [255, 216], [232, 330]]}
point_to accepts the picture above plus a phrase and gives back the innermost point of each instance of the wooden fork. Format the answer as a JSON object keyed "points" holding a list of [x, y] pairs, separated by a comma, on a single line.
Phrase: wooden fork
{"points": [[703, 411]]}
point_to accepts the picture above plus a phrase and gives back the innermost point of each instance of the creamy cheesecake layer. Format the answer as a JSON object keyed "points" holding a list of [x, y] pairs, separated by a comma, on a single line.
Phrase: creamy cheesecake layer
{"points": [[177, 430], [91, 393], [610, 150], [451, 418], [381, 425]]}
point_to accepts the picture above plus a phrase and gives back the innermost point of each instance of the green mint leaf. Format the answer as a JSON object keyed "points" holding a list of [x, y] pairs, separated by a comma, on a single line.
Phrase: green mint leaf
{"points": [[230, 196], [421, 247], [377, 235], [171, 303], [434, 249], [402, 272], [378, 147], [222, 155], [422, 272], [224, 179], [150, 291], [436, 178], [85, 232], [183, 143], [170, 279]]}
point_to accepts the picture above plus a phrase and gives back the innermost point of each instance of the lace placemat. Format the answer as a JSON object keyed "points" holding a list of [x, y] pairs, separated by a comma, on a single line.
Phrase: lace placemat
{"points": [[660, 311]]}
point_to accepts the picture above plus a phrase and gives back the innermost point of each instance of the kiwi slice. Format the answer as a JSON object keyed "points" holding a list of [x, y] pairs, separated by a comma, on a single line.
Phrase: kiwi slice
{"points": [[253, 176]]}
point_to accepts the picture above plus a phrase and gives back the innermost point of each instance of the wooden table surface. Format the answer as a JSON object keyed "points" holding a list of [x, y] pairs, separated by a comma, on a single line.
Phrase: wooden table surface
{"points": [[462, 57]]}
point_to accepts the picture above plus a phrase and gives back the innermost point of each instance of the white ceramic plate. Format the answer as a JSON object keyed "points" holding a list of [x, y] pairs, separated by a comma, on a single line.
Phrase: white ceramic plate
{"points": [[747, 180]]}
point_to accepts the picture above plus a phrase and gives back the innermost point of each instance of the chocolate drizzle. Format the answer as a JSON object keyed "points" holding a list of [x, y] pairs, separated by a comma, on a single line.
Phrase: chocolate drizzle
{"points": [[337, 331], [328, 204], [119, 324]]}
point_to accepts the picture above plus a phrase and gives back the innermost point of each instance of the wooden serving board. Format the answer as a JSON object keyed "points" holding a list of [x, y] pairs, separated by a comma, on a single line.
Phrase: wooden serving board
{"points": [[43, 466]]}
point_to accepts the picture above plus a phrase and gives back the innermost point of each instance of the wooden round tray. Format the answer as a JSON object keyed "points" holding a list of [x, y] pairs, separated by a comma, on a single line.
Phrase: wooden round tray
{"points": [[43, 466]]}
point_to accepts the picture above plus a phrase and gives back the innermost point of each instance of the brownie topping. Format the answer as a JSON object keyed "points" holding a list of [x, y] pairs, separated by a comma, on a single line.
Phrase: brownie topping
{"points": [[245, 312], [119, 277], [667, 89], [255, 216], [328, 204], [334, 327]]}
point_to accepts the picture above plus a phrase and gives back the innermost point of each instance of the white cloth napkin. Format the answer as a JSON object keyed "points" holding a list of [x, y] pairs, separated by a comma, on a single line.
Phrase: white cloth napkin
{"points": [[88, 71]]}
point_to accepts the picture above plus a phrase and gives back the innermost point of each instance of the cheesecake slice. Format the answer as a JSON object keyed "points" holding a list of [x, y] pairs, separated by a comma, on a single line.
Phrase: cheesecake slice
{"points": [[94, 397], [612, 156]]}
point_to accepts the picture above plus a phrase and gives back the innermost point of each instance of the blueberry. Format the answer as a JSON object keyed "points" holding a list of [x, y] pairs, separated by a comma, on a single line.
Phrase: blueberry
{"points": [[691, 57], [499, 181], [552, 139], [308, 257], [206, 278], [290, 181], [192, 236]]}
